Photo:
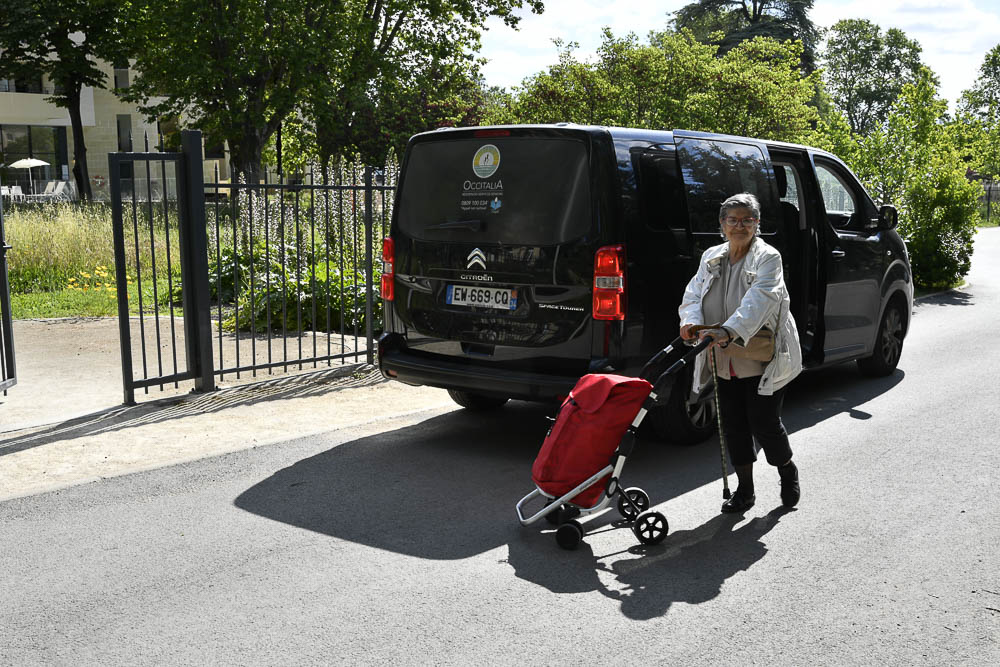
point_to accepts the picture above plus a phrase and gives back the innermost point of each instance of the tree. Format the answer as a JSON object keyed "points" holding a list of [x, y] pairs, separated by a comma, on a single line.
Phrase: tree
{"points": [[400, 67], [233, 68], [865, 70], [983, 99], [755, 89], [739, 21], [239, 68], [910, 161], [977, 126], [62, 39]]}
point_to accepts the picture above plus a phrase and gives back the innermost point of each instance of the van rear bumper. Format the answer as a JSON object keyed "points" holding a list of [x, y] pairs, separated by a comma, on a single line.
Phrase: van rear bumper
{"points": [[396, 363]]}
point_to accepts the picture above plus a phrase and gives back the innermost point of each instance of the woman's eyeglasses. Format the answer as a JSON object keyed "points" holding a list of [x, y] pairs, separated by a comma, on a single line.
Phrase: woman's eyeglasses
{"points": [[746, 222]]}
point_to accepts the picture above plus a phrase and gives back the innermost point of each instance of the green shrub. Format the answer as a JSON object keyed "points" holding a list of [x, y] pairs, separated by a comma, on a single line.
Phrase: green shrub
{"points": [[301, 293], [939, 223]]}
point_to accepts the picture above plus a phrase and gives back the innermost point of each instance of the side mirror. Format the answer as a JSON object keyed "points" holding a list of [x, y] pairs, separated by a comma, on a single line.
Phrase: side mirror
{"points": [[888, 217]]}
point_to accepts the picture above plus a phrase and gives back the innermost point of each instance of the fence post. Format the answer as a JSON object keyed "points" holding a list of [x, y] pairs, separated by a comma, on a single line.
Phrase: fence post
{"points": [[8, 372], [194, 264], [369, 284], [121, 276]]}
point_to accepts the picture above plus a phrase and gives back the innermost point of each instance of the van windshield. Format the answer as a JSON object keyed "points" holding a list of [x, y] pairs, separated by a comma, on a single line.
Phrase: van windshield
{"points": [[510, 190]]}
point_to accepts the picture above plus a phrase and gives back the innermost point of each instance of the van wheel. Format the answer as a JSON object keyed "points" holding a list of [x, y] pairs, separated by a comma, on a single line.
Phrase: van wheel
{"points": [[473, 401], [680, 422], [888, 344]]}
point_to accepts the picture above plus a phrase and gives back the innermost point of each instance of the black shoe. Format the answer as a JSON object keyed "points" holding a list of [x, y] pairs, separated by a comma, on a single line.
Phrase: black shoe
{"points": [[789, 484], [740, 502]]}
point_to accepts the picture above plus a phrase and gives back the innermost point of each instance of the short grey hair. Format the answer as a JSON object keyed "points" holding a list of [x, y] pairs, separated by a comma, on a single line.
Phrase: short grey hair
{"points": [[742, 200]]}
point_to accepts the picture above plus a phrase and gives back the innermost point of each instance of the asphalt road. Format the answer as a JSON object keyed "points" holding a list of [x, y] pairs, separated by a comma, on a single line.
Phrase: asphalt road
{"points": [[396, 541]]}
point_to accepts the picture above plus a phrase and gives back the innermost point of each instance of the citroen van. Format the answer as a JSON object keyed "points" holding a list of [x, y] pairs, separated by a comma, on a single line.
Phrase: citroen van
{"points": [[522, 257]]}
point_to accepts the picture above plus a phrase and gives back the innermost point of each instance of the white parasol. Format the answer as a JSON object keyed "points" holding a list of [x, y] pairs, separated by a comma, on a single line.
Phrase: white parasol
{"points": [[29, 163]]}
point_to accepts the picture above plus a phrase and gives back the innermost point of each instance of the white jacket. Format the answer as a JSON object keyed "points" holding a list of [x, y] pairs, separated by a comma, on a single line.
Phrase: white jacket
{"points": [[765, 302]]}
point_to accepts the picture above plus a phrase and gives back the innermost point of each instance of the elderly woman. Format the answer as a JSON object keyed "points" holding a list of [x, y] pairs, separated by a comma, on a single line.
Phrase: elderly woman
{"points": [[739, 291]]}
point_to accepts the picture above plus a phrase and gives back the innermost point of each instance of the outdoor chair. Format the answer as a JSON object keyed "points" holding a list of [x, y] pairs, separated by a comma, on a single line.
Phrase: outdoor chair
{"points": [[59, 192]]}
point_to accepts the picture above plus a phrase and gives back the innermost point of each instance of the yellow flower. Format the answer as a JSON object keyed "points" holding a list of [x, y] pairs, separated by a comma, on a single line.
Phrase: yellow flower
{"points": [[84, 274]]}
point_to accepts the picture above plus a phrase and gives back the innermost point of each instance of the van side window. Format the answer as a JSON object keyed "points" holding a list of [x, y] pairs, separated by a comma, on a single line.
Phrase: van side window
{"points": [[715, 170], [838, 199], [791, 179], [661, 193]]}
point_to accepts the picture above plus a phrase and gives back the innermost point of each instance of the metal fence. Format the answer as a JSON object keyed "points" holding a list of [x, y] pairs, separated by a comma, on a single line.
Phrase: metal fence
{"points": [[243, 280], [8, 375]]}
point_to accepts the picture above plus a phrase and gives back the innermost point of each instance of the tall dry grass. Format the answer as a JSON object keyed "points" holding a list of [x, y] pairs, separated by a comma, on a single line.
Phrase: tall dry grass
{"points": [[55, 243]]}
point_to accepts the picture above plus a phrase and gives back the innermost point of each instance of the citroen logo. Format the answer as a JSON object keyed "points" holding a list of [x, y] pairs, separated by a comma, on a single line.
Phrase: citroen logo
{"points": [[476, 257]]}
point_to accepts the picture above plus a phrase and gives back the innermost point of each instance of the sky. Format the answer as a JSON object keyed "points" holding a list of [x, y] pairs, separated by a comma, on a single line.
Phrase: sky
{"points": [[954, 34]]}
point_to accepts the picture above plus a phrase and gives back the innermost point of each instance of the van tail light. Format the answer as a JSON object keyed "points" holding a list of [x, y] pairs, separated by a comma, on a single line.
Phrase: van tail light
{"points": [[388, 269], [609, 283]]}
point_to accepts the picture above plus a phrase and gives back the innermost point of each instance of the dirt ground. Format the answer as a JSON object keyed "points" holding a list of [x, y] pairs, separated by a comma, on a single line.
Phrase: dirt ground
{"points": [[65, 421]]}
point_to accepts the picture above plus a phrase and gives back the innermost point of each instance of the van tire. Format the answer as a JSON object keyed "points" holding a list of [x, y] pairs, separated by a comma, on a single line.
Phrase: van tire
{"points": [[473, 401], [680, 423], [888, 344]]}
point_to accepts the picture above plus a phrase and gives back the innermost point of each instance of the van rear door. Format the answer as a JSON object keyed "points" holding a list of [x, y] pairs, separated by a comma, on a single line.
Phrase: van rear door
{"points": [[494, 242]]}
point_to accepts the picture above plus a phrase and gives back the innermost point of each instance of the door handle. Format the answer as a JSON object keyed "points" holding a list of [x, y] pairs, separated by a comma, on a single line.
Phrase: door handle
{"points": [[838, 254]]}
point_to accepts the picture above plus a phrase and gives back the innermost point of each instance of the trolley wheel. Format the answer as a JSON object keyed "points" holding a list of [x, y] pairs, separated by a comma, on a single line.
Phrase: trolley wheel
{"points": [[569, 535], [651, 527], [561, 515], [637, 496]]}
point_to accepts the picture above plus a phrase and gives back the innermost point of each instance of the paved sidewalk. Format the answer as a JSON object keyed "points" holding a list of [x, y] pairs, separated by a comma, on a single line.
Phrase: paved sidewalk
{"points": [[65, 423]]}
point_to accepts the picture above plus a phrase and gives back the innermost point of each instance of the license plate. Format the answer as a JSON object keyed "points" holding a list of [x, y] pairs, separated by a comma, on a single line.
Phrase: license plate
{"points": [[500, 298]]}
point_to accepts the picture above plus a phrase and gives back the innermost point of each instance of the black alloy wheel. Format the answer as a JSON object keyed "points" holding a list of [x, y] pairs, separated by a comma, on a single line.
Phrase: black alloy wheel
{"points": [[888, 344]]}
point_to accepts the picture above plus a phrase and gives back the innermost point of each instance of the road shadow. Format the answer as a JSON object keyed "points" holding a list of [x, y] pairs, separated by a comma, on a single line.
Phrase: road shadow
{"points": [[821, 394], [689, 566], [446, 489], [952, 297]]}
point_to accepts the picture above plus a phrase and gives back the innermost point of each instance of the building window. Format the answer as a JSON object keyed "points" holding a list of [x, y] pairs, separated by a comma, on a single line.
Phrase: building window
{"points": [[125, 133], [125, 142], [121, 77], [29, 84]]}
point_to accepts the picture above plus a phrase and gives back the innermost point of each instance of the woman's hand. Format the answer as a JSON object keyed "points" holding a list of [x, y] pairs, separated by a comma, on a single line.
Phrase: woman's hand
{"points": [[720, 337], [686, 332]]}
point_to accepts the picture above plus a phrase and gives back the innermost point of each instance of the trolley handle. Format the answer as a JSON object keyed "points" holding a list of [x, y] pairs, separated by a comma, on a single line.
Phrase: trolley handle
{"points": [[651, 368], [683, 361]]}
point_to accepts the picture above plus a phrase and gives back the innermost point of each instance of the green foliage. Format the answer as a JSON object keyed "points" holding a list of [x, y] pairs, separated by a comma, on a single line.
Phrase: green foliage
{"points": [[977, 126], [755, 89], [865, 70], [235, 70], [910, 160], [942, 209], [729, 23], [397, 68], [281, 288], [365, 75]]}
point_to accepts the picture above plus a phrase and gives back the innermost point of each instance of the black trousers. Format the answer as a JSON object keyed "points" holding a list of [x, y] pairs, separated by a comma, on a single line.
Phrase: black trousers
{"points": [[747, 415]]}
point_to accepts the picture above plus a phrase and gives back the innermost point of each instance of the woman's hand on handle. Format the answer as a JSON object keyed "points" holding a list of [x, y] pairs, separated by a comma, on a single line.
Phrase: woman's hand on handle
{"points": [[686, 332], [720, 337]]}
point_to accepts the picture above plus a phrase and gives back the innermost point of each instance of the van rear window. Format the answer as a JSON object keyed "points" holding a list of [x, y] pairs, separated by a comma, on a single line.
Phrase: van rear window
{"points": [[512, 190]]}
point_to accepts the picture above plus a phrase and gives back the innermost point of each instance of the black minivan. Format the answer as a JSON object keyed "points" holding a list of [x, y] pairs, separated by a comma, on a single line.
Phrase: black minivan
{"points": [[522, 257]]}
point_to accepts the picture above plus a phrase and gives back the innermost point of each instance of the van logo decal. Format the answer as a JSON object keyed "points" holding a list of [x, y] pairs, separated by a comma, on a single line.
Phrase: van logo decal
{"points": [[486, 161], [476, 257]]}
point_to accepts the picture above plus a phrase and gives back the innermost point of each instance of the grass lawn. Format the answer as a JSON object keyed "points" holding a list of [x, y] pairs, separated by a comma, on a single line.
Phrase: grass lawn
{"points": [[87, 301]]}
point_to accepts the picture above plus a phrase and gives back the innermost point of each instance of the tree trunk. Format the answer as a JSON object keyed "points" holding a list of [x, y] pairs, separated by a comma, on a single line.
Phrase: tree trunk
{"points": [[80, 172]]}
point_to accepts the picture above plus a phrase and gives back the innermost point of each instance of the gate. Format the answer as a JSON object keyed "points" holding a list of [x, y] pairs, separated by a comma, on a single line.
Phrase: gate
{"points": [[8, 374], [222, 279]]}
